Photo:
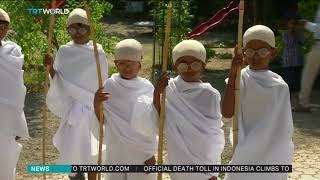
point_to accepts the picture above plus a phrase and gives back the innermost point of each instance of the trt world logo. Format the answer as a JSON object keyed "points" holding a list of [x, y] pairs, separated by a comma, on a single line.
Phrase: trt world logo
{"points": [[50, 9]]}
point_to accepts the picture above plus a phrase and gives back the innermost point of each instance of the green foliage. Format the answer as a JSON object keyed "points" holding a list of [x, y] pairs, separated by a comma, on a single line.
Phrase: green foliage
{"points": [[308, 42], [30, 32], [308, 8], [112, 70], [280, 47], [119, 5], [180, 21], [279, 43], [210, 53], [221, 45]]}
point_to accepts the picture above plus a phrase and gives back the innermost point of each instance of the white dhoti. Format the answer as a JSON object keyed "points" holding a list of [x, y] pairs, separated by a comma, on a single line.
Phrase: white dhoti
{"points": [[265, 125], [70, 97], [130, 137], [193, 127], [120, 153], [12, 121], [73, 138]]}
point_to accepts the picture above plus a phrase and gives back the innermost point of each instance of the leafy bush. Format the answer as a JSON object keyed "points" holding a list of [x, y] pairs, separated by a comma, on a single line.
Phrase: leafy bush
{"points": [[210, 53], [308, 8]]}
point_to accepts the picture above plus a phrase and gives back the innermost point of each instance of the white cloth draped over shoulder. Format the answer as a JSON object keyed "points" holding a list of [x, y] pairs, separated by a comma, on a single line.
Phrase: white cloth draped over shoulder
{"points": [[76, 76], [265, 124], [13, 91], [12, 96], [193, 126], [131, 133], [71, 96]]}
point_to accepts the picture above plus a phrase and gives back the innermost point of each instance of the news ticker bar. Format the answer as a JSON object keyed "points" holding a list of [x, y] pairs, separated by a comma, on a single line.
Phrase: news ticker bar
{"points": [[40, 168]]}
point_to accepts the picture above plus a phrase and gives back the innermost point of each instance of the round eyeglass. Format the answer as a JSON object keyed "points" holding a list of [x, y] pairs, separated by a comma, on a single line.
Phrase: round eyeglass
{"points": [[127, 65], [73, 31], [195, 66], [3, 27], [263, 52]]}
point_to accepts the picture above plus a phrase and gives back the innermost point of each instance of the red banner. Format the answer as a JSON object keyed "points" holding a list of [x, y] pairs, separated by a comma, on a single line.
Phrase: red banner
{"points": [[215, 20], [58, 4]]}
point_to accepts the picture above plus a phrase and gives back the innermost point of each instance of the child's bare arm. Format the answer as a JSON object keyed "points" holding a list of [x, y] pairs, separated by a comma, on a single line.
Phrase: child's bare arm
{"points": [[229, 96], [48, 62], [159, 88], [99, 97], [156, 100], [150, 161], [213, 178]]}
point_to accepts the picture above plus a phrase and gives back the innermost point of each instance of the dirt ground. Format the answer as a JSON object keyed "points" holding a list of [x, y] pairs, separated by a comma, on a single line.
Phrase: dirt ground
{"points": [[307, 126]]}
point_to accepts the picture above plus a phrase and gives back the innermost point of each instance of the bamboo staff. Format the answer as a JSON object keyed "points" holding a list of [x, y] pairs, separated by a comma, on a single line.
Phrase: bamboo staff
{"points": [[96, 54], [46, 82], [237, 83], [163, 97]]}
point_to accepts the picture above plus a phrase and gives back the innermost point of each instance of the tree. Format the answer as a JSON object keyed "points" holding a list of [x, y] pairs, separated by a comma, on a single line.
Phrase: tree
{"points": [[308, 8]]}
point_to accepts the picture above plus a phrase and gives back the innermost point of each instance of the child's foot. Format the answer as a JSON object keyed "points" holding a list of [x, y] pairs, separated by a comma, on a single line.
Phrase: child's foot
{"points": [[78, 176]]}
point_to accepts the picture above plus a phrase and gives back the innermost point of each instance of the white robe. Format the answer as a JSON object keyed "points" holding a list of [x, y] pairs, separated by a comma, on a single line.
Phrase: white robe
{"points": [[71, 96], [193, 126], [265, 125], [129, 113], [12, 96]]}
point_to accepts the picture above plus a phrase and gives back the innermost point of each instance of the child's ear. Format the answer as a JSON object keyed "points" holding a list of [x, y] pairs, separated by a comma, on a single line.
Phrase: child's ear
{"points": [[204, 66], [274, 53]]}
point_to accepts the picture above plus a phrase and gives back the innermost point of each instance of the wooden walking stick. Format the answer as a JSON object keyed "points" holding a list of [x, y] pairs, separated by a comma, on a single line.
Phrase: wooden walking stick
{"points": [[237, 83], [96, 54], [163, 97], [46, 82]]}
